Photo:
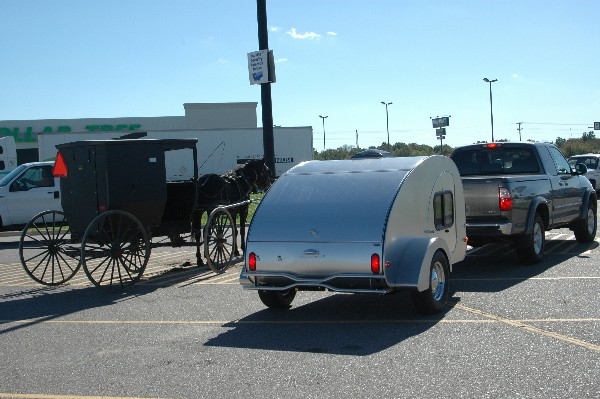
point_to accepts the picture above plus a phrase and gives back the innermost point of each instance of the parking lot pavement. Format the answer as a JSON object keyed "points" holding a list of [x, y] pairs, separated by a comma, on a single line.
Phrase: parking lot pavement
{"points": [[512, 331]]}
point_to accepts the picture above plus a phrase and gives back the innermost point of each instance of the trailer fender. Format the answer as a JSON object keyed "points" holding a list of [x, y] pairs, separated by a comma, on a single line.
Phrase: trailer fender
{"points": [[410, 261]]}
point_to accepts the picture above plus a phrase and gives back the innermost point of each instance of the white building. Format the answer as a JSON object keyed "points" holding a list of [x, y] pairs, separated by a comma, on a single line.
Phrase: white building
{"points": [[227, 135], [198, 116]]}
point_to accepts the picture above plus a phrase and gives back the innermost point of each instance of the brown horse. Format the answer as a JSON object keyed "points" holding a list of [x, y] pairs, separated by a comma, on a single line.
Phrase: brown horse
{"points": [[230, 188]]}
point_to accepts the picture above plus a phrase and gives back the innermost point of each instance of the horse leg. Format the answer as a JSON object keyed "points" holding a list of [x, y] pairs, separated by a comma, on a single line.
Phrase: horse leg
{"points": [[197, 230], [234, 214], [243, 217]]}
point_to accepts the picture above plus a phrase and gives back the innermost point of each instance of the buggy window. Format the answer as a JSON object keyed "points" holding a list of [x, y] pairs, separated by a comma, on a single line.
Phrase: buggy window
{"points": [[499, 160], [443, 210]]}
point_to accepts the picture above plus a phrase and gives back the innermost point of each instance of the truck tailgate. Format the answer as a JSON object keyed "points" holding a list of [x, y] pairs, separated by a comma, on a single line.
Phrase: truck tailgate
{"points": [[481, 197]]}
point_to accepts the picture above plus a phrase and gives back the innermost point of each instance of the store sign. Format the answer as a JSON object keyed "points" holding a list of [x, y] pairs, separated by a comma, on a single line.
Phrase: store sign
{"points": [[27, 135], [440, 122]]}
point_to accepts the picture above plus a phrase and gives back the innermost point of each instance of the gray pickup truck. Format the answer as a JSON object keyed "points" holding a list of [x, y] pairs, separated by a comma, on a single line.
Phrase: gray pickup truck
{"points": [[515, 192]]}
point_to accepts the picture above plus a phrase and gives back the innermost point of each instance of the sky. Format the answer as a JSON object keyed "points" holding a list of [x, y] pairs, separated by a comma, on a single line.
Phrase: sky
{"points": [[341, 59]]}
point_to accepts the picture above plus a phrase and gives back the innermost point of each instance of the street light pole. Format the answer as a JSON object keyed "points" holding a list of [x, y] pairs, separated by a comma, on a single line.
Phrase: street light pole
{"points": [[387, 122], [491, 113], [323, 117]]}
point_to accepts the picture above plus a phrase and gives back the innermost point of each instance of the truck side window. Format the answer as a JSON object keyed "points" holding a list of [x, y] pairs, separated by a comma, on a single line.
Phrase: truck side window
{"points": [[562, 166], [443, 210]]}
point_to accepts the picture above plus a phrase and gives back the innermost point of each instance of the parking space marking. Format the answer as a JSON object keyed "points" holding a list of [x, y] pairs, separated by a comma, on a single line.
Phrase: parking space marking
{"points": [[521, 324], [6, 395]]}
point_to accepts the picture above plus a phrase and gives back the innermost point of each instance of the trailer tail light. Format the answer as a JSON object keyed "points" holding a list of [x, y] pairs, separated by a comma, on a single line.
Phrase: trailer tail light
{"points": [[375, 263], [60, 166], [506, 203], [252, 261]]}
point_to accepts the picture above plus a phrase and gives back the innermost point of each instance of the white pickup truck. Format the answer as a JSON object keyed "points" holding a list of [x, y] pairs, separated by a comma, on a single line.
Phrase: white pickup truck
{"points": [[26, 191]]}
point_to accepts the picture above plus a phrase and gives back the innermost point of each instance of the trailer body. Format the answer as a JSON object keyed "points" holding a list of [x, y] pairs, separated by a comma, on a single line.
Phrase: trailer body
{"points": [[323, 224]]}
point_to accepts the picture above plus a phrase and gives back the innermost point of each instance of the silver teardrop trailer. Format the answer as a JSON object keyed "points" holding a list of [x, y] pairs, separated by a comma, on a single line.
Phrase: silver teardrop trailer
{"points": [[359, 226]]}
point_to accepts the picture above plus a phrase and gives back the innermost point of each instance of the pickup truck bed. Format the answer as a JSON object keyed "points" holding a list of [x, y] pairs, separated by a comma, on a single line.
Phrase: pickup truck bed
{"points": [[516, 191]]}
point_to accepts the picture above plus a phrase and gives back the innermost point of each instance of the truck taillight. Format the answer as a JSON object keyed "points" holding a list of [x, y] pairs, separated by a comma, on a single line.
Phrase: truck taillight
{"points": [[506, 203], [252, 261], [375, 263]]}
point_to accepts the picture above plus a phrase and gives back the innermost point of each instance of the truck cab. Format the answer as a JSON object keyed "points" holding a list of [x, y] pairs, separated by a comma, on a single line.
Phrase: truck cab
{"points": [[26, 191]]}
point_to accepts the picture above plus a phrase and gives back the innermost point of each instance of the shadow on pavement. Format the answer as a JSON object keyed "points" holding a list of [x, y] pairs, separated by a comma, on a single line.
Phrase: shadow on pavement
{"points": [[340, 324], [496, 267]]}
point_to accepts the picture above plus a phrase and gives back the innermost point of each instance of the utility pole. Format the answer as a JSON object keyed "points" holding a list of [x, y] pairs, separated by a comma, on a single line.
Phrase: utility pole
{"points": [[265, 90], [519, 129]]}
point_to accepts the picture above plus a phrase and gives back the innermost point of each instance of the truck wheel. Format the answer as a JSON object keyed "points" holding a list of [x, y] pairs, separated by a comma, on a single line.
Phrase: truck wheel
{"points": [[277, 299], [531, 247], [434, 298], [585, 229]]}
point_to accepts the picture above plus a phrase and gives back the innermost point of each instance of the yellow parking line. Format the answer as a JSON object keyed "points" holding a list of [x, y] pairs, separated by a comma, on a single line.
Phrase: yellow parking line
{"points": [[526, 327], [6, 395], [487, 320]]}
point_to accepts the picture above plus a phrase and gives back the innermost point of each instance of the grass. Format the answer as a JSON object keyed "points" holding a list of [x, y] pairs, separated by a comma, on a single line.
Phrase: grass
{"points": [[256, 198]]}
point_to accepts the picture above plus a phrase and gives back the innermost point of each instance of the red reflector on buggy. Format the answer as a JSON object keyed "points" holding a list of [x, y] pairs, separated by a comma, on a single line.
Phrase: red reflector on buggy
{"points": [[60, 166], [252, 261]]}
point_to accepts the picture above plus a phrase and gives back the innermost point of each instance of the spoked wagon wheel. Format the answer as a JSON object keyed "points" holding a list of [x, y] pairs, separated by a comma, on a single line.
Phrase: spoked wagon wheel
{"points": [[219, 237], [115, 250], [47, 252]]}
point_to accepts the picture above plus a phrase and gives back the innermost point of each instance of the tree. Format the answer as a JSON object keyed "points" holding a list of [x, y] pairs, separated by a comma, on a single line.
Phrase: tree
{"points": [[588, 136]]}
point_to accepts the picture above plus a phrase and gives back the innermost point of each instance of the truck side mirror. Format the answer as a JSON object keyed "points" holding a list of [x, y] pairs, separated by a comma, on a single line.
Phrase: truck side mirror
{"points": [[581, 169]]}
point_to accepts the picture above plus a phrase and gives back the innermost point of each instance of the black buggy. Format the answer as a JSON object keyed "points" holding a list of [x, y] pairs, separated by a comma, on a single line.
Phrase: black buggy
{"points": [[118, 204]]}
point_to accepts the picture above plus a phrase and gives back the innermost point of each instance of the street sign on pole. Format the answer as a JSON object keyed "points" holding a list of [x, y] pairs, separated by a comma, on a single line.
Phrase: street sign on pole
{"points": [[596, 125], [261, 67], [440, 122]]}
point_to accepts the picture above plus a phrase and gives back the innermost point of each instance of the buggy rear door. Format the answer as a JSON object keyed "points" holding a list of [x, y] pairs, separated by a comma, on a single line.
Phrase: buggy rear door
{"points": [[79, 190]]}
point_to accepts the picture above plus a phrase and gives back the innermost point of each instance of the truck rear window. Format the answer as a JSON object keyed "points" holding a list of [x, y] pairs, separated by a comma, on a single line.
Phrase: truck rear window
{"points": [[495, 161]]}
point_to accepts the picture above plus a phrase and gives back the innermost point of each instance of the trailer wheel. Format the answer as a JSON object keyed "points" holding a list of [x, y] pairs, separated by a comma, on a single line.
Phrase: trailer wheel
{"points": [[115, 250], [219, 237], [46, 249], [434, 298], [277, 299], [530, 248], [585, 229]]}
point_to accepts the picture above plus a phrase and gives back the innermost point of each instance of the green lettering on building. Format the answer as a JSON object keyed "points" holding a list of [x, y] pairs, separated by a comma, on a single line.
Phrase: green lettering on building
{"points": [[29, 136]]}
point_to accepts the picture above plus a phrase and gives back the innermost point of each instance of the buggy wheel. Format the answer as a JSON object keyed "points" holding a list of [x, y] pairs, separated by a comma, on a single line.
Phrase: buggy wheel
{"points": [[46, 249], [115, 250], [219, 239]]}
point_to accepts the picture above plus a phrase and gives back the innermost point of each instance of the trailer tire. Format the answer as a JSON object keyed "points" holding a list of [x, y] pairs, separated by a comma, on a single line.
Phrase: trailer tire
{"points": [[530, 247], [434, 298], [585, 229], [277, 299]]}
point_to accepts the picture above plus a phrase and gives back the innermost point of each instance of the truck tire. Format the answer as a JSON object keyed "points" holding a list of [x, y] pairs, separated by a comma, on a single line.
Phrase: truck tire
{"points": [[585, 229], [530, 248], [277, 299], [434, 298]]}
